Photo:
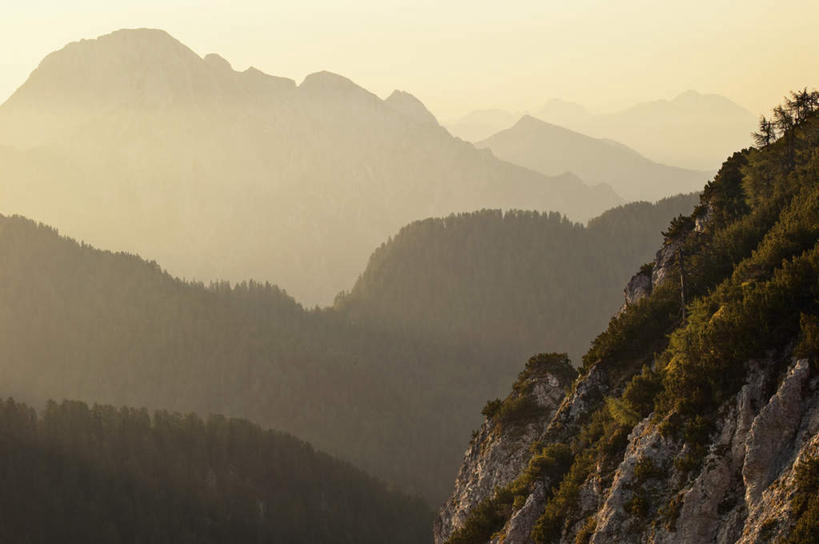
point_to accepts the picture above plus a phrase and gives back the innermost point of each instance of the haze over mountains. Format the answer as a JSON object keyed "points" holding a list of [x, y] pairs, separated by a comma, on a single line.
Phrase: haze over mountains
{"points": [[133, 142], [392, 378], [550, 149], [692, 130], [481, 124]]}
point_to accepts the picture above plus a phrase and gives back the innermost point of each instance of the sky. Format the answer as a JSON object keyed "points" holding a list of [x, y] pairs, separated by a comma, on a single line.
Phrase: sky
{"points": [[458, 56]]}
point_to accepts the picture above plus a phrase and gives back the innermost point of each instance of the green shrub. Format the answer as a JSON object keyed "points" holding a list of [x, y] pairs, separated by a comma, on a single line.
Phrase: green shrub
{"points": [[645, 470], [483, 521], [670, 513], [638, 505], [805, 504], [680, 225], [586, 531], [808, 338], [491, 408]]}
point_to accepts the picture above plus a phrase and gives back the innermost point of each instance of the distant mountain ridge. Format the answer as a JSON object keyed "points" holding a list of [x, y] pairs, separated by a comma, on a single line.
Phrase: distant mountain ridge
{"points": [[692, 130], [550, 149], [260, 177], [481, 124]]}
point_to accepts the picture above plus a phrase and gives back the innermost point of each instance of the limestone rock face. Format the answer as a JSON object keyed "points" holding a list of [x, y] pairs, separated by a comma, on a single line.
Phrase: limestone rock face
{"points": [[499, 451], [739, 493], [745, 479], [666, 258], [638, 288]]}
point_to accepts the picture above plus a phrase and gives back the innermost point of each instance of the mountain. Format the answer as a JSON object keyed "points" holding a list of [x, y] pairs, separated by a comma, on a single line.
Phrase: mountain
{"points": [[477, 125], [132, 141], [692, 130], [509, 283], [550, 150], [394, 392], [74, 473], [695, 415]]}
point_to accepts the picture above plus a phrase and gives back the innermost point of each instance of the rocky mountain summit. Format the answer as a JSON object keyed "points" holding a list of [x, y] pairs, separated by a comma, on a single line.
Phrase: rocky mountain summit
{"points": [[695, 416]]}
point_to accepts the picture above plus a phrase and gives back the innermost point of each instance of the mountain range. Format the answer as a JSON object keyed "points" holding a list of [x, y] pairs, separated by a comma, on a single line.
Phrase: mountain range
{"points": [[551, 150], [132, 141], [692, 130]]}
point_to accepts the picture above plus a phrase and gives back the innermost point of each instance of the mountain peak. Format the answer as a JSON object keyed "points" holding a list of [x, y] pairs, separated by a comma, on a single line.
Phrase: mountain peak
{"points": [[528, 120], [326, 81], [412, 108], [218, 62], [129, 66]]}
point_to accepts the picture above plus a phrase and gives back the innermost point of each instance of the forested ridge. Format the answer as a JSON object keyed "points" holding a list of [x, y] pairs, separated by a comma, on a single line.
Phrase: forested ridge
{"points": [[395, 399], [74, 473], [515, 282]]}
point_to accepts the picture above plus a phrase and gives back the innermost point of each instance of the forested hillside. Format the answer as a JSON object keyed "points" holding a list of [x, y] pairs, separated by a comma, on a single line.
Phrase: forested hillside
{"points": [[515, 283], [395, 398], [75, 473], [696, 414]]}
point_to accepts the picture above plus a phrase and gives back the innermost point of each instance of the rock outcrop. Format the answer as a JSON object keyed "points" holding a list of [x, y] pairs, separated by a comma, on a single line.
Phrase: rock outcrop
{"points": [[740, 493], [499, 450]]}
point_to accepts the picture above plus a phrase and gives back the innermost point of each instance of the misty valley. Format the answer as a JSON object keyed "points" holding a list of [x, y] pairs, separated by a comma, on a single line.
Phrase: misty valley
{"points": [[237, 308]]}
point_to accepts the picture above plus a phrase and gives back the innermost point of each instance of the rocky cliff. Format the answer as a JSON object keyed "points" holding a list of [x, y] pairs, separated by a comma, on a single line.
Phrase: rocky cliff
{"points": [[695, 417], [499, 450]]}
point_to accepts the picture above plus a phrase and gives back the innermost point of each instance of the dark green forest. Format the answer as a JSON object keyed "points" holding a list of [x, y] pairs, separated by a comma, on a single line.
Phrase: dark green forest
{"points": [[393, 397], [751, 288], [75, 473], [514, 283]]}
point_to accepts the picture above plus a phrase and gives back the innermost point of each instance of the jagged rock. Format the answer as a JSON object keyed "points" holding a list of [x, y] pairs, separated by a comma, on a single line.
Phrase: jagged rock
{"points": [[499, 452], [740, 493], [666, 258], [770, 518], [638, 288], [645, 442], [522, 522], [772, 432], [587, 395]]}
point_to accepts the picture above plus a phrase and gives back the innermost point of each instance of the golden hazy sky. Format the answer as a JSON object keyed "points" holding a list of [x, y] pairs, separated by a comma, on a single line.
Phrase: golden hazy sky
{"points": [[459, 55]]}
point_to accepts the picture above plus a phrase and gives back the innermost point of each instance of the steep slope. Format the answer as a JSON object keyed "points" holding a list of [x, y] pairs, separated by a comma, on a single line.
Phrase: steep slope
{"points": [[512, 283], [696, 414], [132, 141], [104, 474], [551, 150], [692, 130]]}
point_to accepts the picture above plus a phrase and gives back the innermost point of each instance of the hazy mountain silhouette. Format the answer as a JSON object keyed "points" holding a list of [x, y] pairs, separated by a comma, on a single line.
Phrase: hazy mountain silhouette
{"points": [[481, 124], [551, 149], [132, 141], [692, 130]]}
